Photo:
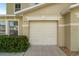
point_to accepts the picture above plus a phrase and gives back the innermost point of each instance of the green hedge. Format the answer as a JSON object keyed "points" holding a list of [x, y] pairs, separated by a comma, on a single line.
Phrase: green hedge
{"points": [[13, 43]]}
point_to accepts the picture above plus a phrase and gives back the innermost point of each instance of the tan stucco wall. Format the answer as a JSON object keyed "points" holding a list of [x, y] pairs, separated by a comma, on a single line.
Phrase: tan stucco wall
{"points": [[26, 5], [11, 7], [68, 35], [67, 32], [71, 20], [50, 10], [25, 26], [74, 29], [61, 33]]}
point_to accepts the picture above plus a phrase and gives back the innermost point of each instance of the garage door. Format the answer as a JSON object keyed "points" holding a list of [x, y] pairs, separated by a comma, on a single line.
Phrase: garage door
{"points": [[43, 33]]}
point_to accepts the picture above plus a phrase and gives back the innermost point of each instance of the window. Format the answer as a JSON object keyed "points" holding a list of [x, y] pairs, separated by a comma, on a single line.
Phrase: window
{"points": [[13, 27], [2, 28], [17, 7], [9, 28]]}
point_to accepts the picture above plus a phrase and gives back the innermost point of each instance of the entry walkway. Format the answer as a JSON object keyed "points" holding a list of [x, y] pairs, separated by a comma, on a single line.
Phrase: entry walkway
{"points": [[38, 51]]}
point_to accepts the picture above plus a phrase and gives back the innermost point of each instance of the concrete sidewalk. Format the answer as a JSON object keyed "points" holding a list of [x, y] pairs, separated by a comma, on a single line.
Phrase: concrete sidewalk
{"points": [[38, 51]]}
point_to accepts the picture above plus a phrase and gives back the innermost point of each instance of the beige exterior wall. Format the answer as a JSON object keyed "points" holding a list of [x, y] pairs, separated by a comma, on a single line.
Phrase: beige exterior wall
{"points": [[11, 7], [25, 26], [61, 33], [26, 5], [68, 35], [50, 10], [67, 30], [74, 29]]}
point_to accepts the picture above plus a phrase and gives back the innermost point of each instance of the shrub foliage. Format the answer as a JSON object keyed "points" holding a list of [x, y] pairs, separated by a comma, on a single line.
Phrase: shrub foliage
{"points": [[13, 43]]}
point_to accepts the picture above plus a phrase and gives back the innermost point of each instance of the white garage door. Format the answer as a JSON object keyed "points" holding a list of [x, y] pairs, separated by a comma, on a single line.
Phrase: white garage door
{"points": [[43, 33]]}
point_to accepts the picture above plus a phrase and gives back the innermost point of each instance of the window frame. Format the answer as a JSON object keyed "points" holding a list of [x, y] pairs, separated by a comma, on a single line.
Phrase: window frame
{"points": [[7, 27], [4, 29], [17, 7]]}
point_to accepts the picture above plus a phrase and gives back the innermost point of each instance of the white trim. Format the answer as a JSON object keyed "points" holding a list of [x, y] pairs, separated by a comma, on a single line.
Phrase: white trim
{"points": [[63, 25], [7, 28], [9, 15], [77, 14], [25, 25], [42, 18], [65, 11], [68, 9], [74, 24], [18, 27], [71, 24], [30, 8], [74, 5]]}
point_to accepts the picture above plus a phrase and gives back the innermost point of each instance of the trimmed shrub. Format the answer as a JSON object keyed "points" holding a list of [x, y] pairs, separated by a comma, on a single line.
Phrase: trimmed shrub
{"points": [[13, 43]]}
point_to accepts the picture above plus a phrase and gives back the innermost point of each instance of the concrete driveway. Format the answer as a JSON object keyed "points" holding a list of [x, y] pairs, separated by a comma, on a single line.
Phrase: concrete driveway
{"points": [[38, 51]]}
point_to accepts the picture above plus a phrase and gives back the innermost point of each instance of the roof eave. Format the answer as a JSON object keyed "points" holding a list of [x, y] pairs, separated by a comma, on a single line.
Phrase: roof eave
{"points": [[29, 9], [68, 9]]}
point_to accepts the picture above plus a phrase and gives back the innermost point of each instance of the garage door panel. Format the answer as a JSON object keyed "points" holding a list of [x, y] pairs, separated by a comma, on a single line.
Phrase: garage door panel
{"points": [[43, 33]]}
